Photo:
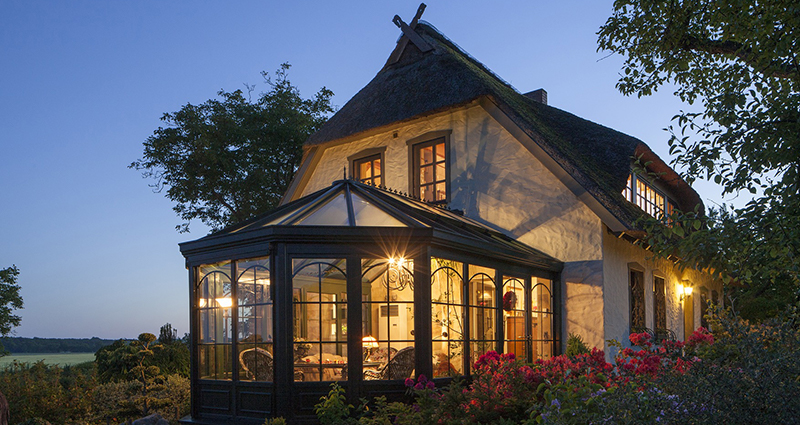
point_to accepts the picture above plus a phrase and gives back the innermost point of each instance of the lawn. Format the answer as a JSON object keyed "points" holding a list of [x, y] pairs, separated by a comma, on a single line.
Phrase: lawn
{"points": [[62, 359]]}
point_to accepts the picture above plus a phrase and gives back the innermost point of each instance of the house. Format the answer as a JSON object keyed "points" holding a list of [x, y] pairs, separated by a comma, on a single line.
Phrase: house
{"points": [[438, 215]]}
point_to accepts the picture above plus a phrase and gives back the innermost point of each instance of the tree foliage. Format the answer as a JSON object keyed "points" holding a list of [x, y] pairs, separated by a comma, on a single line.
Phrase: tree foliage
{"points": [[10, 300], [737, 62], [229, 159], [124, 360]]}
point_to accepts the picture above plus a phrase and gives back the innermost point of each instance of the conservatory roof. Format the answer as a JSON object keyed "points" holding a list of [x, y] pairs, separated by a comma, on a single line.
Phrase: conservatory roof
{"points": [[351, 204]]}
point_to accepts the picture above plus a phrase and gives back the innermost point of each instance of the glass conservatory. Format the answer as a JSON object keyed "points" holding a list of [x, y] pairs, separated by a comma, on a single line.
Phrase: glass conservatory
{"points": [[357, 285]]}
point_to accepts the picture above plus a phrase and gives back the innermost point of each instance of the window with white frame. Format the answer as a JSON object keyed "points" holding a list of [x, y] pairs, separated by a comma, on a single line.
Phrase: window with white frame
{"points": [[647, 197]]}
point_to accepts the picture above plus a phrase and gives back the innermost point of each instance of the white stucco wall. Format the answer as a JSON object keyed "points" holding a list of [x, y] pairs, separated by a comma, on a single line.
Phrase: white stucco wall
{"points": [[496, 180], [618, 254]]}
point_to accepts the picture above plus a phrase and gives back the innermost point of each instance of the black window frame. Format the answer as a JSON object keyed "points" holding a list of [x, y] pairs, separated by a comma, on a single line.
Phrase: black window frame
{"points": [[632, 303]]}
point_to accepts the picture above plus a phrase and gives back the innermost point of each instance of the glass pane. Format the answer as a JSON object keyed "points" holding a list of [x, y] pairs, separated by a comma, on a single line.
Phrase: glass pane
{"points": [[482, 310], [215, 305], [332, 213], [440, 172], [514, 316], [427, 193], [637, 312], [426, 155], [441, 192], [440, 153], [320, 319], [447, 317], [365, 170], [426, 175], [376, 167], [542, 318], [256, 362], [388, 301], [215, 361], [367, 214]]}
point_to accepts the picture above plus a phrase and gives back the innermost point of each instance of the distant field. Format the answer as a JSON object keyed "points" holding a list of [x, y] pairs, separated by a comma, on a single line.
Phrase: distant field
{"points": [[64, 359]]}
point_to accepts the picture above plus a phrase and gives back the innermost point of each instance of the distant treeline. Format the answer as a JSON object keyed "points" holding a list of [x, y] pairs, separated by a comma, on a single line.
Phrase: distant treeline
{"points": [[18, 345]]}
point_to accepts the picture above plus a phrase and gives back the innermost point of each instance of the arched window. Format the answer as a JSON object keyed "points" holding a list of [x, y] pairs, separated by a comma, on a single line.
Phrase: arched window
{"points": [[320, 319], [514, 317], [254, 327], [447, 317], [388, 309], [542, 318], [482, 311], [214, 305]]}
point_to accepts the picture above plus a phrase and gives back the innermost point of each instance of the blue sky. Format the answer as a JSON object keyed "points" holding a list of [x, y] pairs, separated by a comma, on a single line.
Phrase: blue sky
{"points": [[84, 83]]}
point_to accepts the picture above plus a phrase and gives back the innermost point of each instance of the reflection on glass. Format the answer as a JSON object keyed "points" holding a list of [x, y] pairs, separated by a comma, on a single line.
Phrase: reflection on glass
{"points": [[387, 293], [216, 330], [255, 328], [320, 319], [331, 213], [367, 214], [514, 316], [482, 310], [447, 317], [542, 318]]}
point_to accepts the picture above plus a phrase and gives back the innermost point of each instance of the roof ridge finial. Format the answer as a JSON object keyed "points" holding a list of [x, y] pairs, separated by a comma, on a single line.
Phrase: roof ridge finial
{"points": [[409, 34]]}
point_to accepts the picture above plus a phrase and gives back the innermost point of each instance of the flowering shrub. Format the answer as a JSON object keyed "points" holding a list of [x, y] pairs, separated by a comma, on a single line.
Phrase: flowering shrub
{"points": [[739, 374]]}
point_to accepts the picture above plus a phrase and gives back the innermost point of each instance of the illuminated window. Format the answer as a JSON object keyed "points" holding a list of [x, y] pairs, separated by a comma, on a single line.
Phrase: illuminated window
{"points": [[447, 317], [642, 193], [542, 318], [514, 317], [214, 304], [368, 170], [319, 288], [482, 309], [430, 170], [387, 293]]}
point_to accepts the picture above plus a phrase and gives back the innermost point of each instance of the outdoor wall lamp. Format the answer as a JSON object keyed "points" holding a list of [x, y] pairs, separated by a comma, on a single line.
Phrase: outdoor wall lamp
{"points": [[685, 289]]}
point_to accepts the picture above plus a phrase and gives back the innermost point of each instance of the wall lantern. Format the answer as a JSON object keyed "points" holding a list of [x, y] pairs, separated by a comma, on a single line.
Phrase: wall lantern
{"points": [[685, 289]]}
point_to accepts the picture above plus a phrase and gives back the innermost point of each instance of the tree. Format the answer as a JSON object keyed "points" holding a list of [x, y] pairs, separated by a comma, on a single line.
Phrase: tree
{"points": [[227, 160], [10, 300], [173, 356], [740, 61], [148, 375]]}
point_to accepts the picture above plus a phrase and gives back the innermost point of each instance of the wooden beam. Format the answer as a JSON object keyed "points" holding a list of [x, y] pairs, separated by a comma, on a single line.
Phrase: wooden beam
{"points": [[412, 35], [403, 42]]}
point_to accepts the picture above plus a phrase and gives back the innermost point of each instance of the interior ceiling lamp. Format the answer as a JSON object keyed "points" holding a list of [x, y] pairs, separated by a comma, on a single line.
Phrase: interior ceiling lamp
{"points": [[397, 276]]}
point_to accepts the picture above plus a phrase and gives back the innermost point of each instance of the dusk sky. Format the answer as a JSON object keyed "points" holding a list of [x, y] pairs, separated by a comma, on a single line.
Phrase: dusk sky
{"points": [[84, 83]]}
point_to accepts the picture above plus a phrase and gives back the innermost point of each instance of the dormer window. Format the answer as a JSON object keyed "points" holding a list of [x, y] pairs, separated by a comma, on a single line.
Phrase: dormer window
{"points": [[653, 201]]}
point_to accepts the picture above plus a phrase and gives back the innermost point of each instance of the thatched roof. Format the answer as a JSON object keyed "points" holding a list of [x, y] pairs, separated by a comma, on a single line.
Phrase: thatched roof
{"points": [[420, 84]]}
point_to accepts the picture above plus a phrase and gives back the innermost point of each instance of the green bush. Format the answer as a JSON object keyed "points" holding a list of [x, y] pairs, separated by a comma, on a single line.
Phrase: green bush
{"points": [[576, 346], [48, 392]]}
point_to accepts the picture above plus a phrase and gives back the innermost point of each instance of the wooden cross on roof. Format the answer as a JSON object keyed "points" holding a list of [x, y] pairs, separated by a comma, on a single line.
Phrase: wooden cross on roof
{"points": [[409, 35]]}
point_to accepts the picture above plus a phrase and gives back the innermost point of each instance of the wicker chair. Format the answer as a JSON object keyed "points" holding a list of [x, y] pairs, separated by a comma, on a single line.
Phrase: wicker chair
{"points": [[257, 364], [381, 355], [400, 366]]}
